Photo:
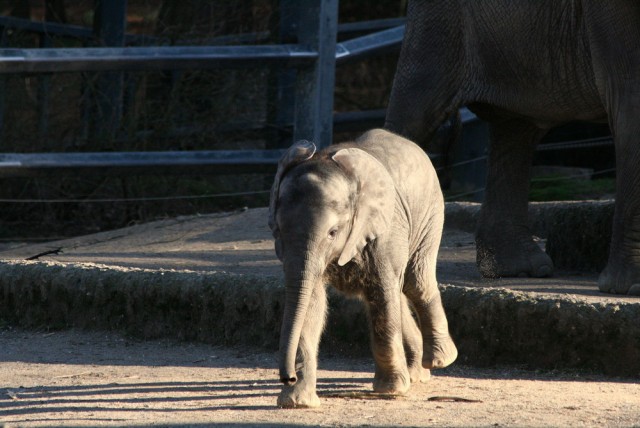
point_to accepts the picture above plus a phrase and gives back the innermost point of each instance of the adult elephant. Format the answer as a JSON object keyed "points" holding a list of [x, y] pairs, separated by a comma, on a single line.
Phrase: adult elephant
{"points": [[526, 67]]}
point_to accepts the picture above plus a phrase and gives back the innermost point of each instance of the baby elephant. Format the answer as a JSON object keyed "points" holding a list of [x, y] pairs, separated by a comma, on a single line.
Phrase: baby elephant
{"points": [[366, 217]]}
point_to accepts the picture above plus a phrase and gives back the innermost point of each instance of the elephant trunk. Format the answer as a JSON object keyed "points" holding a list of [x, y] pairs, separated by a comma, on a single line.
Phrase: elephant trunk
{"points": [[299, 288]]}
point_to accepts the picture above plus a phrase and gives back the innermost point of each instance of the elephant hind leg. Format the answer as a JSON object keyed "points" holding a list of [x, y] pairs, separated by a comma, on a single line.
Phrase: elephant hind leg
{"points": [[622, 273], [505, 247], [412, 341], [421, 287], [615, 53]]}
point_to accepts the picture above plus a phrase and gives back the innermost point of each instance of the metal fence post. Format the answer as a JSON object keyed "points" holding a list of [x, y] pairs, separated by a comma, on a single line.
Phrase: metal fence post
{"points": [[3, 90], [109, 28], [44, 90], [282, 81], [313, 115]]}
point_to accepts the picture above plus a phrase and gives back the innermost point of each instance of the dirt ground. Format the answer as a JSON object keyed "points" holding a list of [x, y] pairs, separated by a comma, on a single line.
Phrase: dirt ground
{"points": [[75, 378]]}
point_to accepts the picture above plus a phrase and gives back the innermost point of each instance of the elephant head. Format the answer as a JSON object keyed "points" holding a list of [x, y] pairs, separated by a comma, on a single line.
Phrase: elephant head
{"points": [[325, 208]]}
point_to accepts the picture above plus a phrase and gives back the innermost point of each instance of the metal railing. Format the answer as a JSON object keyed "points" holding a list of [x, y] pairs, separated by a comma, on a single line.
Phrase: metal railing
{"points": [[314, 57], [307, 112]]}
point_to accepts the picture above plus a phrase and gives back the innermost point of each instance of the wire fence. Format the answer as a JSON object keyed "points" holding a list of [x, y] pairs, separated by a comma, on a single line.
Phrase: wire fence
{"points": [[586, 143], [554, 146]]}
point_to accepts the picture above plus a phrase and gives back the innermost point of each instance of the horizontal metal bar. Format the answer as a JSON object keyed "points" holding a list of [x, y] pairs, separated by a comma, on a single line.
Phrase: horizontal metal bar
{"points": [[150, 58], [368, 26], [109, 163], [467, 116], [188, 57], [371, 44]]}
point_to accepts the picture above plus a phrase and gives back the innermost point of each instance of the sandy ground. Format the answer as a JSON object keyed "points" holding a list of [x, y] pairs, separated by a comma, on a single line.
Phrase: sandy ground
{"points": [[77, 378]]}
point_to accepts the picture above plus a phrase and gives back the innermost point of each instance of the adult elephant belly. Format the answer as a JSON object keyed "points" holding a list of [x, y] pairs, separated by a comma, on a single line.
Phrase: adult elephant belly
{"points": [[544, 116], [522, 66], [545, 98]]}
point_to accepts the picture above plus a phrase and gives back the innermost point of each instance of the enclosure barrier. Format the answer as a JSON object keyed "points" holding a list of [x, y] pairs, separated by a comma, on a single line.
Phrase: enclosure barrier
{"points": [[309, 112]]}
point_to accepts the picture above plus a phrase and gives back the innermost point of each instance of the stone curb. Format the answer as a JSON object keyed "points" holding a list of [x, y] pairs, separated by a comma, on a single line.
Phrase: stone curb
{"points": [[490, 326], [577, 233]]}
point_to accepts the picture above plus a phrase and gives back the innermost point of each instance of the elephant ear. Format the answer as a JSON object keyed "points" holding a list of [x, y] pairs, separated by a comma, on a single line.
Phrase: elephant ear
{"points": [[374, 201], [299, 152]]}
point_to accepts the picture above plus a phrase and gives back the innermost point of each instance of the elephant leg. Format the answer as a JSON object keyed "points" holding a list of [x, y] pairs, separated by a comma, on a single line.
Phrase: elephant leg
{"points": [[385, 318], [421, 287], [622, 273], [303, 392], [504, 243], [426, 86], [615, 52], [412, 341]]}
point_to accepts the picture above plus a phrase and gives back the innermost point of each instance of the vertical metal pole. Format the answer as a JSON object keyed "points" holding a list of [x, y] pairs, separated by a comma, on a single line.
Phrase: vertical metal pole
{"points": [[109, 28], [3, 89], [44, 87], [282, 82], [317, 28]]}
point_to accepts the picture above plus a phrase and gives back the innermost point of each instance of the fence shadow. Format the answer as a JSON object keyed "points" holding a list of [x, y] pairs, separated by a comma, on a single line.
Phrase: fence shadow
{"points": [[32, 404]]}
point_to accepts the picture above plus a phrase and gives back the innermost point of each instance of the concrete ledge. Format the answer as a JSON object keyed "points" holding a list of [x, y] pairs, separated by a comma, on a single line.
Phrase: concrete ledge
{"points": [[503, 326], [210, 307], [577, 233], [489, 325]]}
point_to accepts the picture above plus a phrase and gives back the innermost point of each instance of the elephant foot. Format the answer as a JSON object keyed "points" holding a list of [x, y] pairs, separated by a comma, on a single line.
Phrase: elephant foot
{"points": [[499, 254], [439, 352], [394, 384], [419, 374], [620, 281], [296, 397], [414, 361]]}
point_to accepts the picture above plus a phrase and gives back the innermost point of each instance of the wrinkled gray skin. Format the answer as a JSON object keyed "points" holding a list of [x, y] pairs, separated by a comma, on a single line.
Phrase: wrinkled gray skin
{"points": [[526, 66], [349, 217]]}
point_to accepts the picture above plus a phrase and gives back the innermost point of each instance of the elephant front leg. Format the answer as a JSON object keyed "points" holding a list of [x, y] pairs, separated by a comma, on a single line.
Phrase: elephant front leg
{"points": [[505, 247], [303, 394], [385, 317]]}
